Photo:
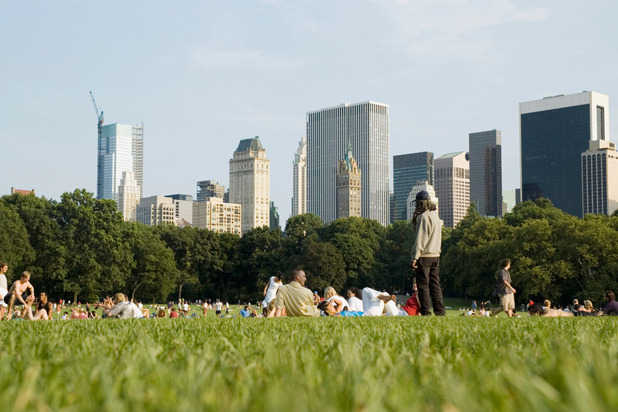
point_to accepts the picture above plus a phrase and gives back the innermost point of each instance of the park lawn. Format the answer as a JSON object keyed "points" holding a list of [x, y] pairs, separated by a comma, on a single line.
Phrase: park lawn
{"points": [[325, 364]]}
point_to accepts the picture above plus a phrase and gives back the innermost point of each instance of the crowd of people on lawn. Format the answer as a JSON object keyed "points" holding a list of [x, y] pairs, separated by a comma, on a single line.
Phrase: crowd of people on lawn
{"points": [[294, 299]]}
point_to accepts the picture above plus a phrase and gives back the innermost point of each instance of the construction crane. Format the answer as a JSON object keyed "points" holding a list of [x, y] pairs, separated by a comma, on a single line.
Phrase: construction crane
{"points": [[97, 110]]}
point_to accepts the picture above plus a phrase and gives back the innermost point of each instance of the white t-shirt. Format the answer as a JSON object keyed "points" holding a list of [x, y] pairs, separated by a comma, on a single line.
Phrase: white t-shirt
{"points": [[372, 306], [338, 299], [355, 304], [137, 313], [218, 306], [271, 293], [186, 307]]}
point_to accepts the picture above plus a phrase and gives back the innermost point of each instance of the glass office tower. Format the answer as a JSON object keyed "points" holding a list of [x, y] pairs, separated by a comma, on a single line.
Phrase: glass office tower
{"points": [[554, 132], [120, 149], [365, 126], [486, 171], [409, 170]]}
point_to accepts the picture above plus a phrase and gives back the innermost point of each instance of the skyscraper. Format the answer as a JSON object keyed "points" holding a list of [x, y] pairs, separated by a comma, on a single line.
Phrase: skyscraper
{"points": [[554, 132], [209, 188], [250, 183], [299, 177], [486, 171], [366, 127], [600, 178], [274, 216], [453, 187], [349, 188], [129, 195], [120, 149], [409, 170]]}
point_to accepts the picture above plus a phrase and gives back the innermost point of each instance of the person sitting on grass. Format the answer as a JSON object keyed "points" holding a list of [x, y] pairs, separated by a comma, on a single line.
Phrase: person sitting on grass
{"points": [[354, 302], [246, 311], [16, 291], [611, 307], [333, 299], [121, 309], [161, 313], [174, 313], [295, 298], [26, 312], [44, 308]]}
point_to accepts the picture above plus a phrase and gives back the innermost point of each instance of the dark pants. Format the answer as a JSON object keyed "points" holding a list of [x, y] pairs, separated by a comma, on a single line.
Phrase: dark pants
{"points": [[428, 284]]}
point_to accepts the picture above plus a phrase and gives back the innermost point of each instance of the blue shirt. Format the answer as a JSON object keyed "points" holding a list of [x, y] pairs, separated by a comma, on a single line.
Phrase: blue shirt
{"points": [[245, 313]]}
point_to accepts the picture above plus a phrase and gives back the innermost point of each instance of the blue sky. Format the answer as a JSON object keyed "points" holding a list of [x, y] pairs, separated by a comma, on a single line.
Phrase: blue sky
{"points": [[201, 75]]}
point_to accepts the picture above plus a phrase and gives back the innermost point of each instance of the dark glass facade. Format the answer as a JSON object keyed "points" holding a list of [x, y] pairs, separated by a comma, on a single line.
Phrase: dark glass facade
{"points": [[408, 170], [552, 142]]}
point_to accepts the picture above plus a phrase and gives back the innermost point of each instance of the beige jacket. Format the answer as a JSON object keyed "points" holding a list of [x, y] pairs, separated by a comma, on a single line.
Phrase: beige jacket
{"points": [[428, 241]]}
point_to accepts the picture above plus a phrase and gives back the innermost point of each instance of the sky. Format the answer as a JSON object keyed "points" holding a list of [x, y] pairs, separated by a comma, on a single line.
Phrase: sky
{"points": [[202, 75]]}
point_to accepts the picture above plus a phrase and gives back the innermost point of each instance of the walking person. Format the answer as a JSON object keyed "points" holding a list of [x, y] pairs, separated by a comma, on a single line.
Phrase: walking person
{"points": [[506, 292], [425, 259]]}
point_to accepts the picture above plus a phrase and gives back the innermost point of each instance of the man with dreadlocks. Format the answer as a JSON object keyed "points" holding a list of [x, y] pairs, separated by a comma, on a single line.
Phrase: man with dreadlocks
{"points": [[425, 259]]}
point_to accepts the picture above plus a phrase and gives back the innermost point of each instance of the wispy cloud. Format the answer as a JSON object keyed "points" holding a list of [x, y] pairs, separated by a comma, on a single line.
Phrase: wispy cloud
{"points": [[452, 28], [209, 57]]}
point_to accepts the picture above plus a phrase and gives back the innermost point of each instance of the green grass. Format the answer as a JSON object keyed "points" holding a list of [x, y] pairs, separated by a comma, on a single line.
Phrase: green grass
{"points": [[327, 364]]}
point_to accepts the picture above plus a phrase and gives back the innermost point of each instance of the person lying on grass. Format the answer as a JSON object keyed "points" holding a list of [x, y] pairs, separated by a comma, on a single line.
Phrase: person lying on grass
{"points": [[538, 310], [333, 300]]}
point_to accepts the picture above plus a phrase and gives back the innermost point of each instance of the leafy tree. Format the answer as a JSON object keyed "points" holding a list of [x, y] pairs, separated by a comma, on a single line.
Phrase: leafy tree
{"points": [[392, 265], [181, 241], [261, 256], [48, 267], [324, 266], [358, 240], [155, 274], [15, 250], [98, 258]]}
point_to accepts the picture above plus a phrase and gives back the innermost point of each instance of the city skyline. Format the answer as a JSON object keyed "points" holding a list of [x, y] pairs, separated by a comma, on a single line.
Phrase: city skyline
{"points": [[203, 76]]}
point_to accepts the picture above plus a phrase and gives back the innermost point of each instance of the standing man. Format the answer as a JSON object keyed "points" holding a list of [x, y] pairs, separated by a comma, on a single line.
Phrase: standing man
{"points": [[506, 292], [425, 259], [16, 291], [4, 288], [218, 307], [295, 298]]}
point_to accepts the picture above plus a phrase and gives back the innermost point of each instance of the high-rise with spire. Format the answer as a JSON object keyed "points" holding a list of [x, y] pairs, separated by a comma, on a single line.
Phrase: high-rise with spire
{"points": [[349, 193], [299, 177]]}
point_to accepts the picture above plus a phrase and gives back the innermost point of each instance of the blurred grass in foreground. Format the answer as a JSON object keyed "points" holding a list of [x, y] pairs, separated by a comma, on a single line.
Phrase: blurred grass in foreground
{"points": [[327, 364]]}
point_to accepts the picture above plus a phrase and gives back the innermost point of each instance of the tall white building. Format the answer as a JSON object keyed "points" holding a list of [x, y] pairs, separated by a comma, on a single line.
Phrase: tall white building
{"points": [[299, 173], [452, 179], [600, 178], [411, 202], [250, 183], [366, 127], [120, 149], [129, 195], [213, 214]]}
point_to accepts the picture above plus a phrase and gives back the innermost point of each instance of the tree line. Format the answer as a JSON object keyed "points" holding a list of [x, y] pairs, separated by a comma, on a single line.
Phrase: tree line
{"points": [[80, 248]]}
